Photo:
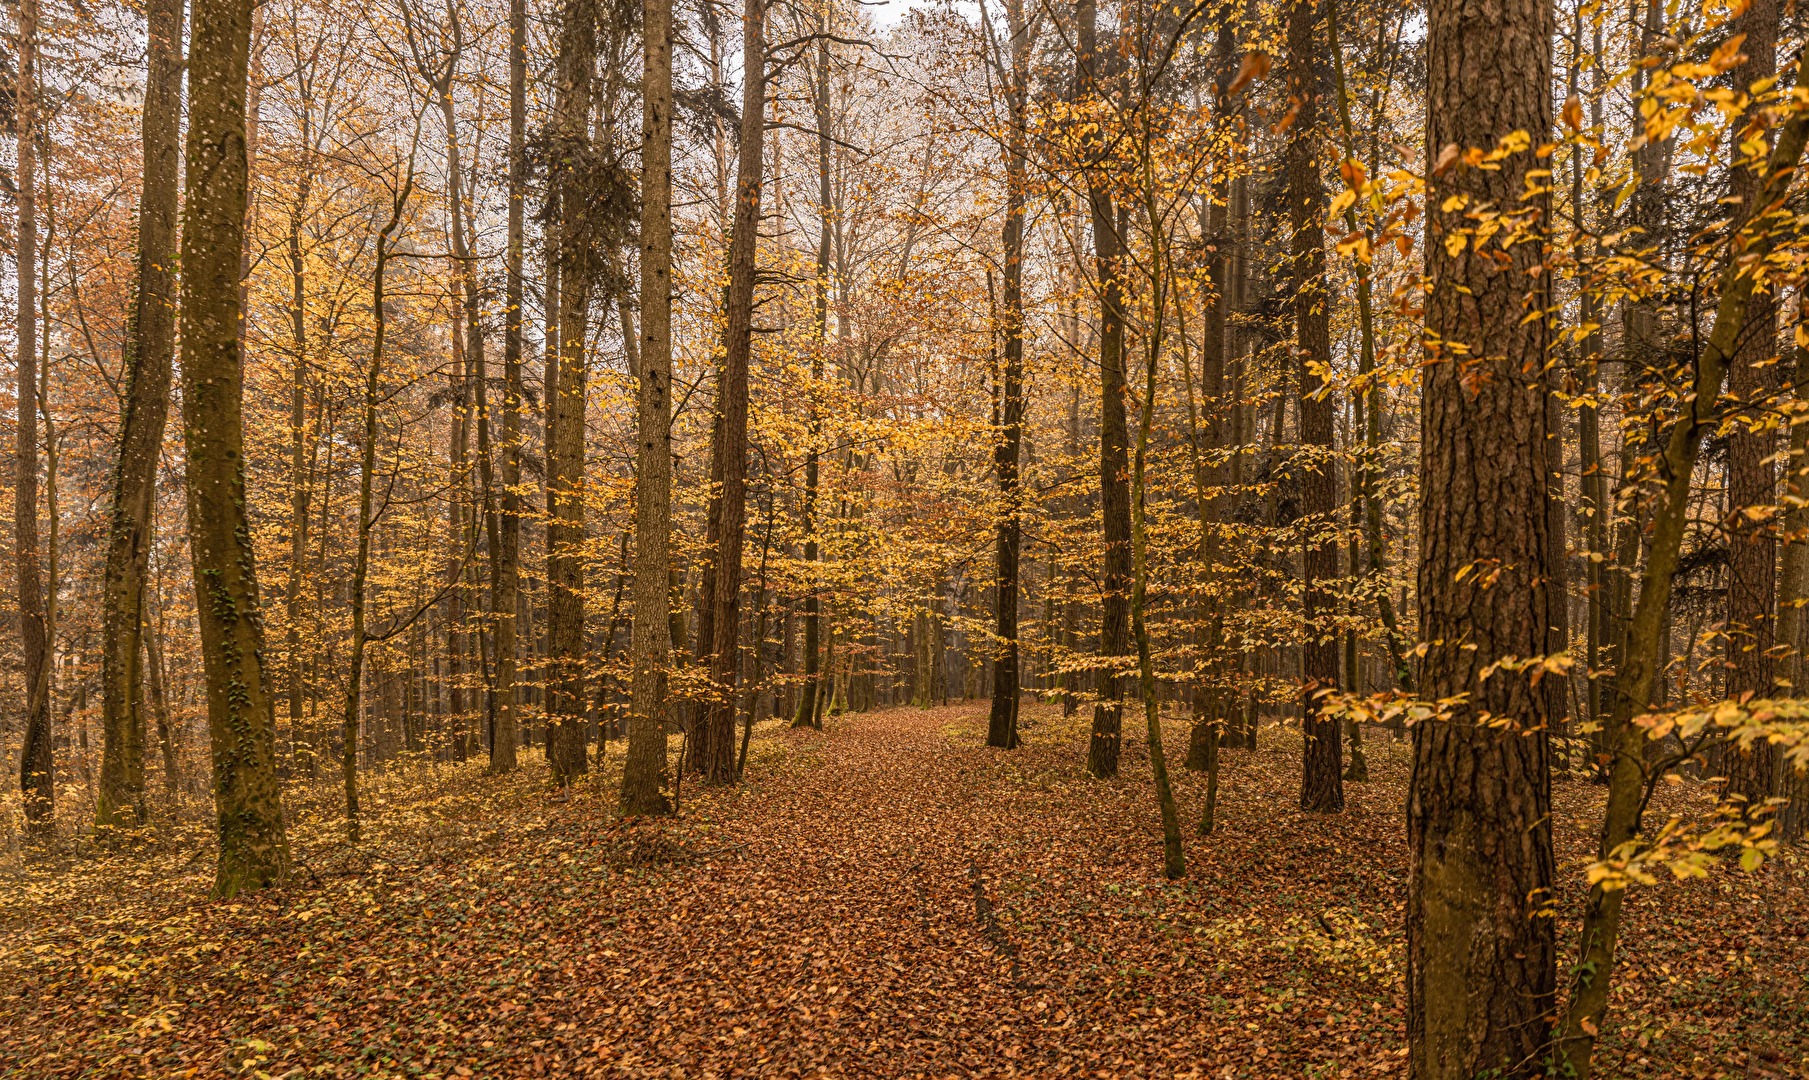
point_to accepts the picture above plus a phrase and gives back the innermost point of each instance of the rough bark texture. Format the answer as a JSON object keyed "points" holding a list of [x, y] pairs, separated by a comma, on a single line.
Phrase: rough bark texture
{"points": [[729, 459], [254, 851], [1481, 960], [1752, 547], [1114, 435], [150, 344], [1002, 722], [1322, 765], [566, 752], [644, 774]]}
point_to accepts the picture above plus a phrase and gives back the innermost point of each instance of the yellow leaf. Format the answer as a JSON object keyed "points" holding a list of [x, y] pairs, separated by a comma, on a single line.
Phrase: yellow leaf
{"points": [[1455, 243], [1343, 202]]}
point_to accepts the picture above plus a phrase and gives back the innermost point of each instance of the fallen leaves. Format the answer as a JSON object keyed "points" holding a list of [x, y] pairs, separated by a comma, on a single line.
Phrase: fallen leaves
{"points": [[889, 898]]}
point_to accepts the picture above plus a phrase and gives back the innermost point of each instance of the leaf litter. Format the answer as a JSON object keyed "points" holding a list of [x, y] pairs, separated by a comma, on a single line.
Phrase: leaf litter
{"points": [[887, 898]]}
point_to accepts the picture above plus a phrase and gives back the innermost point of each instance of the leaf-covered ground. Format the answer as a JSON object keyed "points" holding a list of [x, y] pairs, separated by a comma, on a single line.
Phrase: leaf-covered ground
{"points": [[887, 898]]}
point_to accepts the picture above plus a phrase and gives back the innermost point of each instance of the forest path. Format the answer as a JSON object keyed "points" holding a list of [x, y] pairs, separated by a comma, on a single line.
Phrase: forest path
{"points": [[887, 898], [911, 903]]}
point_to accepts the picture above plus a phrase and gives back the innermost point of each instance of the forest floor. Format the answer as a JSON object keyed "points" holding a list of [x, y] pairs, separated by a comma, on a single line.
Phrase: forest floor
{"points": [[885, 898]]}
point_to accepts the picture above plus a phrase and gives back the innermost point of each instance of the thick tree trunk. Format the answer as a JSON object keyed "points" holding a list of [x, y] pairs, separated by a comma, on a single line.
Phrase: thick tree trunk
{"points": [[729, 459], [566, 749], [1322, 765], [254, 852], [1752, 771], [1114, 453], [150, 344], [1480, 950], [644, 775]]}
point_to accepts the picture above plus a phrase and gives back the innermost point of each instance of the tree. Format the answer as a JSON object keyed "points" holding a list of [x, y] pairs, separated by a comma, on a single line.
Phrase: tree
{"points": [[1114, 434], [1002, 723], [506, 582], [572, 194], [1321, 783], [241, 721], [1480, 952], [1752, 609], [37, 768], [150, 343], [728, 458], [644, 774], [1642, 645]]}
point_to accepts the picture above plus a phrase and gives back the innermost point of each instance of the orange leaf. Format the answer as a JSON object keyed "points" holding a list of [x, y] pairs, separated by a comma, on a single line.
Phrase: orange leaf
{"points": [[1255, 66], [1573, 113]]}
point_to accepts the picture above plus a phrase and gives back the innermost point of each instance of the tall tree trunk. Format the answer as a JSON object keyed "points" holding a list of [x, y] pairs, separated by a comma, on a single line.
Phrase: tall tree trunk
{"points": [[566, 751], [1002, 723], [37, 769], [644, 774], [254, 851], [1321, 783], [729, 456], [150, 344], [1114, 456], [809, 709], [1593, 484], [1207, 423], [1752, 770], [506, 583], [1480, 951]]}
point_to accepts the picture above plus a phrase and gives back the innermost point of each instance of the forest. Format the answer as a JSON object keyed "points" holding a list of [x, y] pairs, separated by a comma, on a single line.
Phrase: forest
{"points": [[932, 538]]}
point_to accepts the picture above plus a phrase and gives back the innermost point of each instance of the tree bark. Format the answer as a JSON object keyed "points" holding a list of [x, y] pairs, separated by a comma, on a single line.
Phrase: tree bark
{"points": [[729, 456], [1322, 764], [1002, 722], [506, 583], [809, 711], [1752, 771], [37, 769], [572, 149], [150, 345], [1480, 953], [1114, 456], [644, 775], [254, 851]]}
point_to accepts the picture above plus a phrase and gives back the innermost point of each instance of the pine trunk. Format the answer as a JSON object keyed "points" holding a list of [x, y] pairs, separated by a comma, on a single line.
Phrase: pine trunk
{"points": [[1480, 950]]}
